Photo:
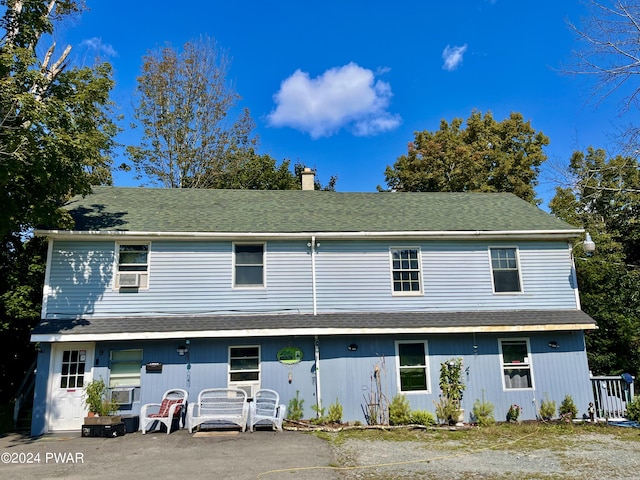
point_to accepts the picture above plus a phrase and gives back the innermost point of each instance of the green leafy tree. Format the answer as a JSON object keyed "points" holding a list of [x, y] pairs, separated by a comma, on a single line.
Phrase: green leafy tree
{"points": [[184, 101], [56, 128], [56, 136], [262, 172], [483, 155], [602, 195]]}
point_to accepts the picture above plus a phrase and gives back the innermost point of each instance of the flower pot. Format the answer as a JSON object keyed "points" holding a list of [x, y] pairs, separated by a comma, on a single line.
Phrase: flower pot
{"points": [[106, 420], [460, 421]]}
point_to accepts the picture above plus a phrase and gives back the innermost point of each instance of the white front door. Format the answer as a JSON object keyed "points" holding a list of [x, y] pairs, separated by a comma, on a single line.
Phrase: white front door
{"points": [[70, 372]]}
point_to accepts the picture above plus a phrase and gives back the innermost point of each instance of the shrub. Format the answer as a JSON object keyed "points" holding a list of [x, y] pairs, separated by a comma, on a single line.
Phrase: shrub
{"points": [[447, 410], [399, 411], [320, 418], [422, 417], [335, 412], [568, 410], [514, 413], [633, 409], [483, 412], [294, 408], [547, 409]]}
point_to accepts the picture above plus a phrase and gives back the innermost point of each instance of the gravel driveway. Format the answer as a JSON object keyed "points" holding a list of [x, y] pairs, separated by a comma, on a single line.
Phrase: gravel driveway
{"points": [[571, 456]]}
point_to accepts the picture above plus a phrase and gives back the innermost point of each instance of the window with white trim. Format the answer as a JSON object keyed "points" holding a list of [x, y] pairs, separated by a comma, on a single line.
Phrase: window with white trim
{"points": [[125, 368], [133, 265], [405, 271], [73, 368], [412, 366], [244, 365], [505, 271], [248, 265], [516, 364]]}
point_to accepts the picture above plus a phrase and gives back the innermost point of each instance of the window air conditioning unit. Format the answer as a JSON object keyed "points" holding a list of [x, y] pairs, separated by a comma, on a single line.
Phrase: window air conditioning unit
{"points": [[122, 396], [128, 280], [250, 389]]}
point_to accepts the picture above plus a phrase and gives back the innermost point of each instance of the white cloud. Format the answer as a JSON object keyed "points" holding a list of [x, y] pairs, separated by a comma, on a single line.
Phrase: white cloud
{"points": [[453, 57], [347, 96], [100, 49]]}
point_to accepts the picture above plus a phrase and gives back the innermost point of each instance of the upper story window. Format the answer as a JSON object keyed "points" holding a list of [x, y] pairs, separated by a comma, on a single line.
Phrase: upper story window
{"points": [[516, 364], [133, 265], [413, 372], [248, 265], [405, 271], [505, 271]]}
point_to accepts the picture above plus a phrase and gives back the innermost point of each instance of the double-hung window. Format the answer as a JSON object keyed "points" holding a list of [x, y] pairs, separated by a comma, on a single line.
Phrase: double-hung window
{"points": [[244, 365], [125, 368], [413, 371], [133, 265], [516, 364], [505, 271], [248, 265], [405, 271]]}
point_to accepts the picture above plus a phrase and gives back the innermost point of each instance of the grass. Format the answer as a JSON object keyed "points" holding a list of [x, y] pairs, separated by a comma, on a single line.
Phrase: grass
{"points": [[525, 440], [529, 436]]}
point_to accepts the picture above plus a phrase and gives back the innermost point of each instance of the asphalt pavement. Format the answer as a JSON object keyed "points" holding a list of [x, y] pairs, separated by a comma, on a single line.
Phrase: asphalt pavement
{"points": [[262, 454]]}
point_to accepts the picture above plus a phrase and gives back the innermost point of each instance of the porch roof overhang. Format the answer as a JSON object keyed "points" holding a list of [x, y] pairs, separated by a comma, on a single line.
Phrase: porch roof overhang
{"points": [[274, 325]]}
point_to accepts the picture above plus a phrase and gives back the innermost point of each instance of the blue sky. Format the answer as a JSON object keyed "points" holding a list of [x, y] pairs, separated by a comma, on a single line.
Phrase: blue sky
{"points": [[343, 85]]}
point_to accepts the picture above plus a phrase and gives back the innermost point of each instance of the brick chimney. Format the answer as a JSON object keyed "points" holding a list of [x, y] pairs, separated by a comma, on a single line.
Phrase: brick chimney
{"points": [[308, 179]]}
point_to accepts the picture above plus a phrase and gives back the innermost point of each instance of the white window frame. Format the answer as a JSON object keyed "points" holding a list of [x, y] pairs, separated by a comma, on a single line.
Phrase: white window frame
{"points": [[114, 378], [527, 365], [235, 384], [144, 284], [264, 267], [413, 293], [518, 266], [426, 366]]}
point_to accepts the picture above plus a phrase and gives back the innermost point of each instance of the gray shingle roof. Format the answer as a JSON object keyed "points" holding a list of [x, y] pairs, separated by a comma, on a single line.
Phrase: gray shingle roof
{"points": [[286, 211], [258, 325]]}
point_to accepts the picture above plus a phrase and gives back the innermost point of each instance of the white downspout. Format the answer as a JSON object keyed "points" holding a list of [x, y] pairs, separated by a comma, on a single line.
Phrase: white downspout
{"points": [[317, 355], [316, 342], [574, 277]]}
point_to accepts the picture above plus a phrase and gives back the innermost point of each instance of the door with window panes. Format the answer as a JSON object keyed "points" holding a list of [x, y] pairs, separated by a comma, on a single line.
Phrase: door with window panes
{"points": [[70, 373]]}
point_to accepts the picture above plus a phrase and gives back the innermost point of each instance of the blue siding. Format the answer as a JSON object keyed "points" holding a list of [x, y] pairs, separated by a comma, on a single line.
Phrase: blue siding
{"points": [[195, 277], [347, 376], [40, 392]]}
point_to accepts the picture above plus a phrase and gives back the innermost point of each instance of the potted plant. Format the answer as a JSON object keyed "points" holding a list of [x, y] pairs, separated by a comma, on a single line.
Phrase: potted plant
{"points": [[101, 408], [448, 408]]}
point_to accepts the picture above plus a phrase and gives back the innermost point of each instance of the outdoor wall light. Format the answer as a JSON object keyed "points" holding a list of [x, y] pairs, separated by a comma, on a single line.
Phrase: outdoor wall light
{"points": [[588, 245], [352, 348], [553, 344], [182, 350]]}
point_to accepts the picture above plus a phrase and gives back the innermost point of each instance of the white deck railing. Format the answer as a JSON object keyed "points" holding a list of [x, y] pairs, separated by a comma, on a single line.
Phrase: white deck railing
{"points": [[611, 395]]}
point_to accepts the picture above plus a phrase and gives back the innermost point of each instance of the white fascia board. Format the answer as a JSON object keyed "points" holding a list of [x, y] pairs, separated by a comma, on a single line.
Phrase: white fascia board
{"points": [[266, 332], [444, 234]]}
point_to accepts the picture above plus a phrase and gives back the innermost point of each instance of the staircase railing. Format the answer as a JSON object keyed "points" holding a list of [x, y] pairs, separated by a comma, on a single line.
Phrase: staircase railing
{"points": [[611, 395], [24, 391]]}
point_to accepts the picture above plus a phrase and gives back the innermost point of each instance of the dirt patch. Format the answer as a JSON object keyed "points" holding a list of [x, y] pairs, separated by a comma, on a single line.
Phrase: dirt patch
{"points": [[547, 453]]}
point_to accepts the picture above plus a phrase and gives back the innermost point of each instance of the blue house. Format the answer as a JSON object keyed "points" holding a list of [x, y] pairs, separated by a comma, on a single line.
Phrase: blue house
{"points": [[354, 297]]}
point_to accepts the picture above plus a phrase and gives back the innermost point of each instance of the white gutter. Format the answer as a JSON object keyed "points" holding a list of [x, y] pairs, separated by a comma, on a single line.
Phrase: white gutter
{"points": [[316, 349], [316, 342], [315, 331], [574, 277], [313, 274], [47, 279], [461, 234]]}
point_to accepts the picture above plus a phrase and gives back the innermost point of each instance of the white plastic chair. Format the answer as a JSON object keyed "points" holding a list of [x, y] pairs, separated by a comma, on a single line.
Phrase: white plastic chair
{"points": [[171, 407], [266, 409]]}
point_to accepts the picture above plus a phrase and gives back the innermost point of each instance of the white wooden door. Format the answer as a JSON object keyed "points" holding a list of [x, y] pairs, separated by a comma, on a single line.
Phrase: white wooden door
{"points": [[70, 372]]}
